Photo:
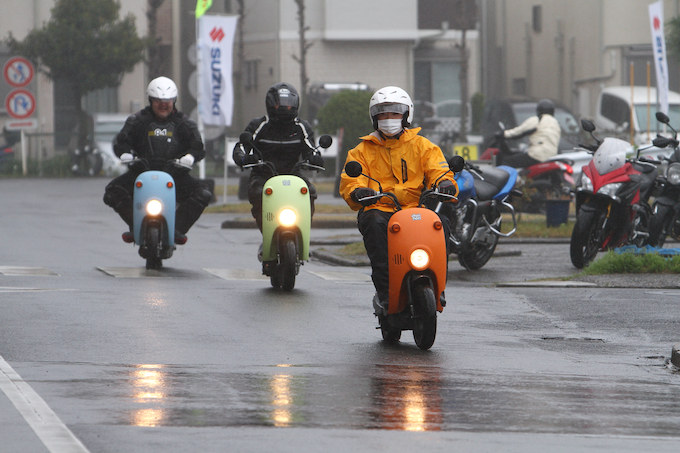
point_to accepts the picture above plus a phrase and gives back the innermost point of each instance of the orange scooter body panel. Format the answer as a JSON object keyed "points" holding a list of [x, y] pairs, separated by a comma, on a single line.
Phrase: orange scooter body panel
{"points": [[408, 230]]}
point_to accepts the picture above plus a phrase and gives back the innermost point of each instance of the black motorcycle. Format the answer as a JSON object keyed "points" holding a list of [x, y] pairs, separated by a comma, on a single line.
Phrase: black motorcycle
{"points": [[665, 219]]}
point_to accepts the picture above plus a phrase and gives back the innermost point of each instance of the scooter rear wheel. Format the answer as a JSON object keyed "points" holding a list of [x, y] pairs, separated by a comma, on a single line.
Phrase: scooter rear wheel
{"points": [[425, 321]]}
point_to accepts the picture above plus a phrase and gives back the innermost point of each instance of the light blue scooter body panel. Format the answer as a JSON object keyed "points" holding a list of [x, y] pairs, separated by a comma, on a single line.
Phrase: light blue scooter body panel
{"points": [[161, 186], [286, 193]]}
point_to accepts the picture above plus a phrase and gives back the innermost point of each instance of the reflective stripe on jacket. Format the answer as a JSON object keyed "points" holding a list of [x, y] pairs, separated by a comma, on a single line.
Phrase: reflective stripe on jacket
{"points": [[404, 166]]}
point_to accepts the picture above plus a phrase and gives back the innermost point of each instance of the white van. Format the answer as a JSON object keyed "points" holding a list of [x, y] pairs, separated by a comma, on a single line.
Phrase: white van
{"points": [[613, 112]]}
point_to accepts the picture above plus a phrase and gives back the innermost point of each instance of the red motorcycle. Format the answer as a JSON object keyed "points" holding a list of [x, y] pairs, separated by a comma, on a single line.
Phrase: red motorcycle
{"points": [[546, 180], [611, 199]]}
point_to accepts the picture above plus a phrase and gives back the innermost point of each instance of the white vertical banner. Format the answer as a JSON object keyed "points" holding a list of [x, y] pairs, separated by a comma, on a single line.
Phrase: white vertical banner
{"points": [[214, 63], [659, 50]]}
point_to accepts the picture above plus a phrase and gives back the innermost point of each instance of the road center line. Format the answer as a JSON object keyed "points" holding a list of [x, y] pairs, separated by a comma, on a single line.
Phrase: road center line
{"points": [[44, 422]]}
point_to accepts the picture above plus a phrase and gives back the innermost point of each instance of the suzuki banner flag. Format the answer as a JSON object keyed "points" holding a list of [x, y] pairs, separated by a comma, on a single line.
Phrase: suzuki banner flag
{"points": [[214, 63], [659, 50]]}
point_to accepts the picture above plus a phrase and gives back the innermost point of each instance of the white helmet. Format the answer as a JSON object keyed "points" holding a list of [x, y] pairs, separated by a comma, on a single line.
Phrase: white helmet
{"points": [[391, 99], [162, 88]]}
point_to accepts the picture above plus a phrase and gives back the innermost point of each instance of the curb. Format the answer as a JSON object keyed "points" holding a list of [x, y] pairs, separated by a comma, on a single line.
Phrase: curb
{"points": [[316, 223]]}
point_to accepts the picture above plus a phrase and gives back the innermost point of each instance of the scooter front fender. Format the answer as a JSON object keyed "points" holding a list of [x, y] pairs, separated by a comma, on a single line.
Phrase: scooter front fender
{"points": [[279, 193], [407, 231], [151, 185]]}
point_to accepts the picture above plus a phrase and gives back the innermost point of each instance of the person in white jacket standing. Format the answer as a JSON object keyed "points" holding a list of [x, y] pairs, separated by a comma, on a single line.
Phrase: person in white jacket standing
{"points": [[544, 136]]}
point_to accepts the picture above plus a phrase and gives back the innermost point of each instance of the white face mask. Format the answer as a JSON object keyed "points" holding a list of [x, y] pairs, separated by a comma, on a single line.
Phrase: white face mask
{"points": [[390, 127]]}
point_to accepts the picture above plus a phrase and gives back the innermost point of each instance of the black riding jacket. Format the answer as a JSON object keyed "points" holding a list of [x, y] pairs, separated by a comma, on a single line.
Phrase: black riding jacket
{"points": [[159, 141], [281, 143]]}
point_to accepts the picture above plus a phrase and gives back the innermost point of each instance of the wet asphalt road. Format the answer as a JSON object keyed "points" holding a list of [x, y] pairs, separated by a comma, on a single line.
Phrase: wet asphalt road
{"points": [[101, 355]]}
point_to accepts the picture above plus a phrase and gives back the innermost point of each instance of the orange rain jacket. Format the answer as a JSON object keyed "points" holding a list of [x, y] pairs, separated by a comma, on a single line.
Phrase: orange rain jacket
{"points": [[404, 166]]}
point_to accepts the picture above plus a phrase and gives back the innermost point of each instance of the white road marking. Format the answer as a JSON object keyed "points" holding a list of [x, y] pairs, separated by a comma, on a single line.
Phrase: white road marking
{"points": [[237, 274], [18, 271], [343, 276], [14, 289], [56, 437], [133, 272]]}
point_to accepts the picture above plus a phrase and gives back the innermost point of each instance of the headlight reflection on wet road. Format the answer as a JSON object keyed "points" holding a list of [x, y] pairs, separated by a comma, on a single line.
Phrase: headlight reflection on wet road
{"points": [[149, 384]]}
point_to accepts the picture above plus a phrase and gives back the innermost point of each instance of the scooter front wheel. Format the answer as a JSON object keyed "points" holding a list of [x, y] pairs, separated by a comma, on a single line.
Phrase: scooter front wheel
{"points": [[153, 244], [283, 276], [425, 321]]}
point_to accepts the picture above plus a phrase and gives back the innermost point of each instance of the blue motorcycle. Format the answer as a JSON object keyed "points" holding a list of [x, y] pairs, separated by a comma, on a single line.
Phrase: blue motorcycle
{"points": [[484, 195], [154, 215]]}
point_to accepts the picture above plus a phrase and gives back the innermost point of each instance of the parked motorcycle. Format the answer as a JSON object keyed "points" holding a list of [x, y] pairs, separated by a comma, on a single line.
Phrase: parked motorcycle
{"points": [[87, 161], [153, 213], [484, 195], [611, 199], [416, 247], [539, 182], [286, 219], [665, 219]]}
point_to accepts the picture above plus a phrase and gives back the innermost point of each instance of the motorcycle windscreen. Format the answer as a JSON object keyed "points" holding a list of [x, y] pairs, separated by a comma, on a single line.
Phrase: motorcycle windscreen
{"points": [[156, 185], [408, 230], [280, 193]]}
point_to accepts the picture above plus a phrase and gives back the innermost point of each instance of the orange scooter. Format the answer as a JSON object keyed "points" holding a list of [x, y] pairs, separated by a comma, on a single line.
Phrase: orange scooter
{"points": [[417, 264]]}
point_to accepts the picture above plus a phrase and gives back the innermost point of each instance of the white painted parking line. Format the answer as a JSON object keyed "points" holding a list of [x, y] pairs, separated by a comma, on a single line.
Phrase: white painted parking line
{"points": [[343, 276], [18, 271], [49, 428], [237, 274]]}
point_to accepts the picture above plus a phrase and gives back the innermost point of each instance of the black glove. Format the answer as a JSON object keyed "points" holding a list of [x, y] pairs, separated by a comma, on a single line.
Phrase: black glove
{"points": [[316, 159], [363, 192], [499, 134], [447, 187]]}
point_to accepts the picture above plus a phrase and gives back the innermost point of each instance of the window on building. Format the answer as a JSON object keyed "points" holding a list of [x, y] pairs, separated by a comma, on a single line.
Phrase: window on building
{"points": [[251, 77], [536, 18], [519, 86]]}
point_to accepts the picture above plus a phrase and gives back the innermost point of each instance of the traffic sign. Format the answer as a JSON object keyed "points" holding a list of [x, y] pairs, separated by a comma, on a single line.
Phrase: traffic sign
{"points": [[18, 72], [15, 125], [20, 104]]}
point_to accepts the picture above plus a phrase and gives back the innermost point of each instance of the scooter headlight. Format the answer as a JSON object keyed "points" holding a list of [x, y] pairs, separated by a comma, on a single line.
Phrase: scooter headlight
{"points": [[673, 174], [287, 217], [420, 259], [154, 207]]}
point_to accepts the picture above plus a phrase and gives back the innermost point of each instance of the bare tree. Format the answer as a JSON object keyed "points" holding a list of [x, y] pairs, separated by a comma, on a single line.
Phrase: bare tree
{"points": [[155, 63], [302, 58]]}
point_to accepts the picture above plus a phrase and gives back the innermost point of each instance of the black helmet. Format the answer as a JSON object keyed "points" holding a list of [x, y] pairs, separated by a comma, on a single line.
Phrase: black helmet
{"points": [[282, 102], [545, 106]]}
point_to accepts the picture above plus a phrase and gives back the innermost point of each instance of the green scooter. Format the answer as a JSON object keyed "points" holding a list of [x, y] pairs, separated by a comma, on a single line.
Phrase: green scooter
{"points": [[286, 219]]}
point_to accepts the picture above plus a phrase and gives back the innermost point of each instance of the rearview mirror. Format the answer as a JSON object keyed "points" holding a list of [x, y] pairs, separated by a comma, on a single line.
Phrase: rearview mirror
{"points": [[353, 168]]}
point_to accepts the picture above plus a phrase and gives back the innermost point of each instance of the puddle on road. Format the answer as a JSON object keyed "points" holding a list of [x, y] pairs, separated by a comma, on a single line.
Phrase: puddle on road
{"points": [[391, 397]]}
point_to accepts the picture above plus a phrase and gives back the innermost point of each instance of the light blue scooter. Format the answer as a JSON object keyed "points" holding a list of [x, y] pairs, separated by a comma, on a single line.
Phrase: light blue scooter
{"points": [[153, 216]]}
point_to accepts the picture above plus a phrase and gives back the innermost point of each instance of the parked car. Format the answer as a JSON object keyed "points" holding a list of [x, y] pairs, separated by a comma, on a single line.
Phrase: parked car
{"points": [[613, 112], [512, 112], [106, 126]]}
